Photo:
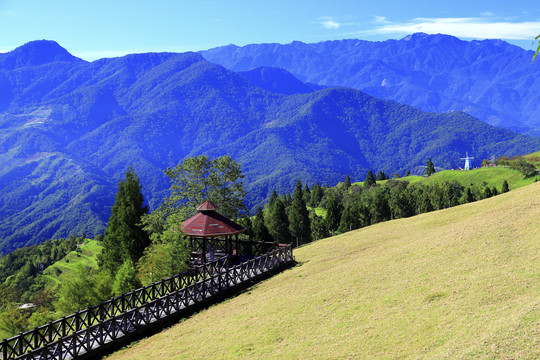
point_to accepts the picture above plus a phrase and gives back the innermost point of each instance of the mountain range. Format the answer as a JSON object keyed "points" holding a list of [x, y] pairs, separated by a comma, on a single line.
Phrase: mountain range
{"points": [[69, 129], [490, 79]]}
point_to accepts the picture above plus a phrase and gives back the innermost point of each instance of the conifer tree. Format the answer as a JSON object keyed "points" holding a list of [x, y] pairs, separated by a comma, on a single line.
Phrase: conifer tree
{"points": [[430, 169], [307, 194], [370, 179], [505, 187], [299, 225], [124, 237], [260, 231], [278, 223], [316, 196], [347, 182]]}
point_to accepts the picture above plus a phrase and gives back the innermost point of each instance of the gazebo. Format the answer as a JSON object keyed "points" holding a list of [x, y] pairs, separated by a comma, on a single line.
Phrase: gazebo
{"points": [[211, 234]]}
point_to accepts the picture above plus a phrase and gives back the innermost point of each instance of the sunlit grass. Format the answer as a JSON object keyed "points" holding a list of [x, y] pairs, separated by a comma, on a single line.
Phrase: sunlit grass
{"points": [[460, 283], [86, 255]]}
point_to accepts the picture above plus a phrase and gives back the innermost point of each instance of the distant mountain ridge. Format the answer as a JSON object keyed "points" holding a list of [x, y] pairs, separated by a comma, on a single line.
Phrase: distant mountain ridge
{"points": [[69, 129], [490, 79]]}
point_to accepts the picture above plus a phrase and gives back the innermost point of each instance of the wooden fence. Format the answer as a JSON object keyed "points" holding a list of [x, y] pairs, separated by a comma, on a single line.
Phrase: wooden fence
{"points": [[86, 331]]}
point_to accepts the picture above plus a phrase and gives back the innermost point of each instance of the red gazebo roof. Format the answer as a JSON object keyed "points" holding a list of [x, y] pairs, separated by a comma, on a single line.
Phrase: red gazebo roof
{"points": [[208, 206], [208, 223]]}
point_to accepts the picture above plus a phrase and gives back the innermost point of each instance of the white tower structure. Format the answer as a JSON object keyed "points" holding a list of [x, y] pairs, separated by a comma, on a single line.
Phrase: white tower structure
{"points": [[467, 161]]}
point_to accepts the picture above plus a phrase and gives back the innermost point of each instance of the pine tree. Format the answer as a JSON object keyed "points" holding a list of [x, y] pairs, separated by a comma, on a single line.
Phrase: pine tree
{"points": [[370, 179], [307, 194], [124, 237], [278, 223], [430, 169], [299, 225], [316, 196], [260, 231], [347, 182], [505, 187], [381, 176]]}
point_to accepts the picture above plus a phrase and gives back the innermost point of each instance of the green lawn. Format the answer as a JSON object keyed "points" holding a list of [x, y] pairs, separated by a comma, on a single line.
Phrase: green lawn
{"points": [[461, 283], [492, 176]]}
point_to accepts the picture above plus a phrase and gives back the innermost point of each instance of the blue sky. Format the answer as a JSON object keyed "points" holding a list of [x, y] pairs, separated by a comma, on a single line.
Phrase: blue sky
{"points": [[94, 29]]}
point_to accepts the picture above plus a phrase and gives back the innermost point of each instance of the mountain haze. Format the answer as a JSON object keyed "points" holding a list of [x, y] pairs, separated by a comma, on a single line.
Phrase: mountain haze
{"points": [[69, 129], [490, 79]]}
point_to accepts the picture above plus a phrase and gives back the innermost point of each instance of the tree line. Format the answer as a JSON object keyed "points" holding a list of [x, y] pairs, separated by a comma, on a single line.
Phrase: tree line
{"points": [[141, 247], [318, 212]]}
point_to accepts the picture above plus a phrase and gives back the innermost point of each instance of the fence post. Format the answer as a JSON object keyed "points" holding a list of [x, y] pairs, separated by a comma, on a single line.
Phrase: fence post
{"points": [[4, 349], [35, 338]]}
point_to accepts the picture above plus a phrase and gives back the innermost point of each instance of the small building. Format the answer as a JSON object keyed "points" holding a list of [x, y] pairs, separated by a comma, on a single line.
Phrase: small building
{"points": [[211, 234]]}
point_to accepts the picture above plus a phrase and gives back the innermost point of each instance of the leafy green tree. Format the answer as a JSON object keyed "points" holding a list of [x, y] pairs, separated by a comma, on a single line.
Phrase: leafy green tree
{"points": [[299, 225], [247, 224], [468, 197], [12, 320], [370, 179], [125, 279], [452, 193], [380, 207], [430, 168], [408, 173], [124, 237], [78, 291], [200, 178], [334, 208], [351, 219], [318, 227], [167, 255], [400, 202]]}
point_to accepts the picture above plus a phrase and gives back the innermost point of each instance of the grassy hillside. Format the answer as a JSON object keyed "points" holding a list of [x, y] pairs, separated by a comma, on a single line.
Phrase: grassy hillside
{"points": [[86, 254], [457, 283], [493, 176]]}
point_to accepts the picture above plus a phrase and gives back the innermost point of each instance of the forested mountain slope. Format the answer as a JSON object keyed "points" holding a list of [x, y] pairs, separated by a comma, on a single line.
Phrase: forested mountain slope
{"points": [[69, 130], [491, 79]]}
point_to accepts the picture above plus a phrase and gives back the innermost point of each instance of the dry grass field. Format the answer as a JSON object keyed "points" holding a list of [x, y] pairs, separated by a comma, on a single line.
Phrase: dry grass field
{"points": [[462, 283]]}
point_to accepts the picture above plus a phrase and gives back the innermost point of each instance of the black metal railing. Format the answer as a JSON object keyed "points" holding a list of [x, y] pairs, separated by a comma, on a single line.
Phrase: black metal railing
{"points": [[89, 329]]}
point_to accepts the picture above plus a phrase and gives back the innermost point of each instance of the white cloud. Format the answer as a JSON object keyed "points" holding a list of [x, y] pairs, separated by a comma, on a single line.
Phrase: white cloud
{"points": [[464, 27], [486, 14], [380, 20], [328, 22]]}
